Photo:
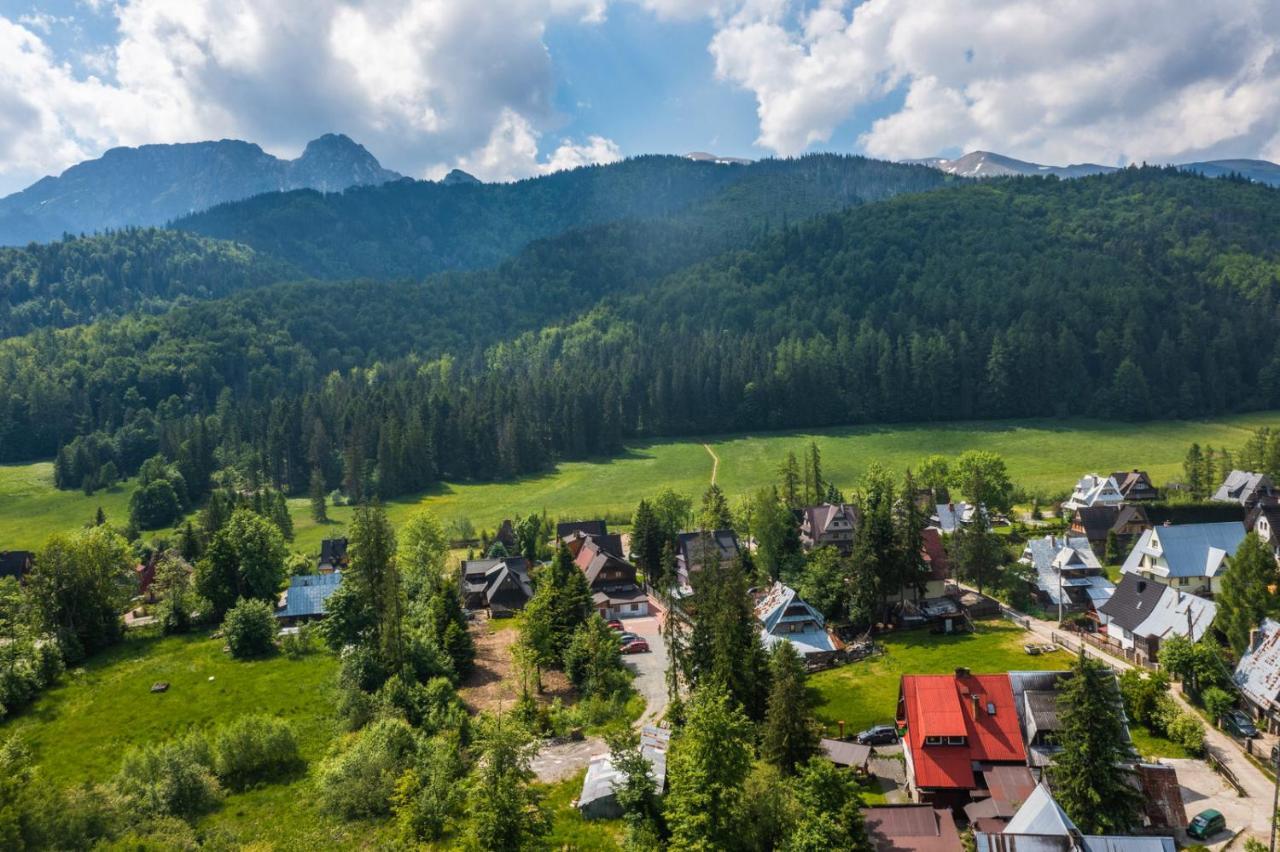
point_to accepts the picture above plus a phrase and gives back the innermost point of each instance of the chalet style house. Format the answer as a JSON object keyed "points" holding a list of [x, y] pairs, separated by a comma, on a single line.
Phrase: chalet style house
{"points": [[694, 549], [958, 728], [1193, 557], [333, 555], [1067, 573], [1246, 488], [1143, 613], [1094, 490], [829, 525], [615, 592], [1264, 519], [783, 616], [500, 585], [1135, 485], [1258, 675], [1095, 523]]}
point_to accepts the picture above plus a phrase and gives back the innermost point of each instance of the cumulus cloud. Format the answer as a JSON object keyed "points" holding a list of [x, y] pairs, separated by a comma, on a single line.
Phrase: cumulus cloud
{"points": [[1054, 81], [419, 82], [511, 153]]}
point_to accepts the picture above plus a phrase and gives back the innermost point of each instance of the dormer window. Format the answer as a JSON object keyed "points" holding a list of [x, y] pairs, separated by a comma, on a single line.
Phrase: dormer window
{"points": [[933, 741], [991, 708], [955, 741]]}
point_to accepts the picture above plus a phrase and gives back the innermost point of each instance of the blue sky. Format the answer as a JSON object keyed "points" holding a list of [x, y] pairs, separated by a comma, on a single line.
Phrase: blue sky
{"points": [[511, 88]]}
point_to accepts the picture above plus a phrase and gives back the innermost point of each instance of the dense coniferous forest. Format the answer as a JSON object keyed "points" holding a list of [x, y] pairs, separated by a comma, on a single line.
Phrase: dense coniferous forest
{"points": [[1147, 293]]}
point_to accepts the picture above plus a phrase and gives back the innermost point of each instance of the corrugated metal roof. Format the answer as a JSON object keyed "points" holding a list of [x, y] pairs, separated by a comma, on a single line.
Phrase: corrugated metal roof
{"points": [[911, 828], [1177, 613], [307, 594], [1258, 674], [1040, 814], [846, 753]]}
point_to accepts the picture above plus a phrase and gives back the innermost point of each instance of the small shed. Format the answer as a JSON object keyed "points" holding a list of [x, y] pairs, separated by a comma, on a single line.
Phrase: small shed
{"points": [[598, 799], [844, 753]]}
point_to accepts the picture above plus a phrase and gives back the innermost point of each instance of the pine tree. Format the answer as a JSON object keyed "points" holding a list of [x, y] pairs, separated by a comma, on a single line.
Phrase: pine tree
{"points": [[790, 737], [815, 472], [910, 539], [1088, 777], [790, 476], [647, 543], [318, 512], [706, 768], [830, 810], [100, 517], [715, 513], [1111, 555], [1246, 597]]}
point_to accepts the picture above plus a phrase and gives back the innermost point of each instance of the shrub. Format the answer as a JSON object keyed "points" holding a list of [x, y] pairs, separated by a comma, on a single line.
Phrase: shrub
{"points": [[298, 645], [26, 667], [429, 793], [252, 749], [1217, 702], [169, 779], [1187, 731], [250, 627], [359, 778], [432, 707]]}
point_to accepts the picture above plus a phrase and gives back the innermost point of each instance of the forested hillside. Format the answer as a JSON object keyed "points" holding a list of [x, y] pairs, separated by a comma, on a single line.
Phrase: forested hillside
{"points": [[1147, 293], [81, 279], [410, 229]]}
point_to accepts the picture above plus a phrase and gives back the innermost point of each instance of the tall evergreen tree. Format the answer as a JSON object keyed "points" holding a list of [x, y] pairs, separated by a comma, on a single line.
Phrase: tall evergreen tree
{"points": [[816, 484], [372, 552], [647, 542], [789, 475], [830, 810], [1089, 778], [707, 766], [318, 512], [715, 513], [790, 733], [1246, 596]]}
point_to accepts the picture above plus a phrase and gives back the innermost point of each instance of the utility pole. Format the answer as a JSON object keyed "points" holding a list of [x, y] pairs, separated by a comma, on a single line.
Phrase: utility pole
{"points": [[1275, 793]]}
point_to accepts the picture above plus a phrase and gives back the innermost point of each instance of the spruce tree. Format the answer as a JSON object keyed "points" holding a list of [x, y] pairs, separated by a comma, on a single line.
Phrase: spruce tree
{"points": [[1111, 555], [790, 736], [815, 472], [1088, 777], [318, 512], [790, 484], [1246, 597], [715, 513], [707, 766], [647, 543]]}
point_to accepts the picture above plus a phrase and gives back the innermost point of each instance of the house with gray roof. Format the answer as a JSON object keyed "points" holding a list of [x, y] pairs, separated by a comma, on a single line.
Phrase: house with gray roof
{"points": [[784, 617], [1094, 490], [829, 525], [1193, 557], [1257, 676], [1067, 573], [697, 548], [1035, 697], [615, 592], [1041, 825], [306, 596], [598, 799], [1143, 613], [1246, 488], [949, 517], [501, 584]]}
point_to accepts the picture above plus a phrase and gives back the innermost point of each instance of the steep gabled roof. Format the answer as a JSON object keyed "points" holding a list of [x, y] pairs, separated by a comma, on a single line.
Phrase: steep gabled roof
{"points": [[1241, 486], [818, 519], [1133, 600], [568, 528], [333, 551], [1177, 613], [1189, 550], [1040, 814], [1258, 674], [689, 546], [935, 554], [593, 558], [1134, 484]]}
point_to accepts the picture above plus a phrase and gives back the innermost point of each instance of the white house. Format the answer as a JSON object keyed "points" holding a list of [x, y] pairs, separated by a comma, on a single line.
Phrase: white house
{"points": [[1143, 613], [1246, 488], [1191, 556], [784, 617], [1094, 490]]}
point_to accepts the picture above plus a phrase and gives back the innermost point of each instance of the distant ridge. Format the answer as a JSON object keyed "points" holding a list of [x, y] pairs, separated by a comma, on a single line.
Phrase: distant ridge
{"points": [[152, 184], [987, 164], [704, 157]]}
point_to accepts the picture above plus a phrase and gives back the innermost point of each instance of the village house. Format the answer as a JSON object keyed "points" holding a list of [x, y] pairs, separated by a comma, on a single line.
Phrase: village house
{"points": [[306, 597], [1264, 519], [1094, 490], [829, 525], [1257, 676], [1007, 788], [958, 727], [911, 828], [784, 616], [615, 593], [16, 564], [1096, 523], [1041, 825], [694, 549], [937, 565], [1143, 613], [333, 555], [598, 799], [1067, 573], [1191, 556], [948, 517], [1246, 488], [1135, 485], [500, 585], [1035, 696]]}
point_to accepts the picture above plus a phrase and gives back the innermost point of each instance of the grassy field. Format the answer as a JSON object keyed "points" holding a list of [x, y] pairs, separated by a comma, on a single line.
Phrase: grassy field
{"points": [[866, 693], [80, 728], [1044, 457]]}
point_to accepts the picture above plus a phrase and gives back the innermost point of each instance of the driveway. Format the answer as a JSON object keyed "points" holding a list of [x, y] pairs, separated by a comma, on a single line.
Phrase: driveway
{"points": [[1203, 788], [557, 761]]}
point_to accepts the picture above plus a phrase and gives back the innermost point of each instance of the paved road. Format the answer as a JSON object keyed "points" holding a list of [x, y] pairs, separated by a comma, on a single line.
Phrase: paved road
{"points": [[557, 761], [1252, 810]]}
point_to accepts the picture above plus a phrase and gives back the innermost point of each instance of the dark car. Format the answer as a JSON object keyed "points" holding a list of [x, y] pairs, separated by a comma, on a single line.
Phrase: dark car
{"points": [[1239, 723], [1206, 824], [879, 735]]}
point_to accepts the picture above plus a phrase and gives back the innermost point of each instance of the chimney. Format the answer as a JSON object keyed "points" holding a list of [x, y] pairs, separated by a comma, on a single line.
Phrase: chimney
{"points": [[962, 671], [1253, 639], [841, 724], [977, 702]]}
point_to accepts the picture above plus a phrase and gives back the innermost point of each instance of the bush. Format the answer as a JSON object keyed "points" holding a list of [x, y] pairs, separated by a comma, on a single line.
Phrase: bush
{"points": [[169, 779], [359, 778], [430, 793], [1217, 702], [432, 707], [250, 627], [1187, 731], [252, 749], [26, 667], [298, 645]]}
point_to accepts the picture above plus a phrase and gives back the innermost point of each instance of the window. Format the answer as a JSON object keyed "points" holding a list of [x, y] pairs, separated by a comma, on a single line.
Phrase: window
{"points": [[955, 740], [635, 607], [991, 708], [933, 740]]}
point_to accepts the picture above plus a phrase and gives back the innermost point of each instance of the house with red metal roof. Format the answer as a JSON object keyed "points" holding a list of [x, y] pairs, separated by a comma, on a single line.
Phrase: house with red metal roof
{"points": [[958, 727]]}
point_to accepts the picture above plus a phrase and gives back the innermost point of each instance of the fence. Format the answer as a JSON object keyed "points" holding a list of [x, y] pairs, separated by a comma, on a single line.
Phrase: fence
{"points": [[1111, 649]]}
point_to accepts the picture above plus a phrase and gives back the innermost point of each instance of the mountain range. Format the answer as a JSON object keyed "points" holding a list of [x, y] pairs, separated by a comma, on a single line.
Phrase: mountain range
{"points": [[152, 184], [986, 164]]}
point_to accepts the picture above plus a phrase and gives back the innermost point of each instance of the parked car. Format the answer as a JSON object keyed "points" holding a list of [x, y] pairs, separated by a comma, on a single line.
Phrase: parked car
{"points": [[1239, 723], [614, 624], [638, 646], [1206, 824], [627, 638], [878, 735]]}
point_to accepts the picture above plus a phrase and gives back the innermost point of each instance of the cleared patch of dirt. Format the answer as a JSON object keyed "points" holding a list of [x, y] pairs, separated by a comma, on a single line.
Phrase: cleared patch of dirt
{"points": [[493, 684]]}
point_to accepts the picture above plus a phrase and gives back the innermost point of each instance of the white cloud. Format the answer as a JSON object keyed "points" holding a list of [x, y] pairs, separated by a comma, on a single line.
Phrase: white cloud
{"points": [[511, 153], [419, 82], [1055, 81]]}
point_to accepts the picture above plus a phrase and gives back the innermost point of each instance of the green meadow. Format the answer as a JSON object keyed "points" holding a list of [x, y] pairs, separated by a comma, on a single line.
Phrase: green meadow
{"points": [[1044, 456]]}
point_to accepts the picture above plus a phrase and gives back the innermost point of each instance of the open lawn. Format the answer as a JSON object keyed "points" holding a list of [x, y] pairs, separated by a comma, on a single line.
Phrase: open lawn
{"points": [[1044, 457], [80, 728], [866, 693]]}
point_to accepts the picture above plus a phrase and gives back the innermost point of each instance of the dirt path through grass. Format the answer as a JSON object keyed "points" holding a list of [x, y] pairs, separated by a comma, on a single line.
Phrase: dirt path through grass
{"points": [[715, 462]]}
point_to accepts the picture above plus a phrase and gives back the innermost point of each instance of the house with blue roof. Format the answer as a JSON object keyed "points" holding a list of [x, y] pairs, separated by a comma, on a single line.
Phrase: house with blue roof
{"points": [[784, 617], [1192, 557], [305, 598]]}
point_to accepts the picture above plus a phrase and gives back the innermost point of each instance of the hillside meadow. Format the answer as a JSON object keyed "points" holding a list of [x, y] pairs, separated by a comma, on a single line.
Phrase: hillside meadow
{"points": [[1044, 456]]}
